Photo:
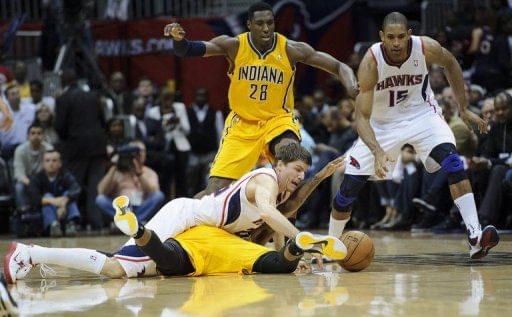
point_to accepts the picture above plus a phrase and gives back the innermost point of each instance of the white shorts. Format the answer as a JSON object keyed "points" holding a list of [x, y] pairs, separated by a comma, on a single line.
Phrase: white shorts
{"points": [[423, 133], [173, 218]]}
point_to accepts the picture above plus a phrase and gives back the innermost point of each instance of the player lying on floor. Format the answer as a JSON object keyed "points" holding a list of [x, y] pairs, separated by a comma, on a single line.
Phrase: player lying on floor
{"points": [[247, 203], [201, 250]]}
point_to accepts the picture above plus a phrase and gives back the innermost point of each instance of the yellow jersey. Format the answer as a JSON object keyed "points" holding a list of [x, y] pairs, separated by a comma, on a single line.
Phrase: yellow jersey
{"points": [[261, 83]]}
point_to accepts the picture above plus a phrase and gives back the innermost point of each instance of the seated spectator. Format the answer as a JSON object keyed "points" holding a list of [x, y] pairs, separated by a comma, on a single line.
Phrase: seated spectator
{"points": [[387, 191], [116, 90], [56, 192], [20, 75], [438, 81], [28, 160], [407, 174], [116, 136], [130, 177], [497, 158], [146, 91], [44, 117], [23, 114], [37, 98]]}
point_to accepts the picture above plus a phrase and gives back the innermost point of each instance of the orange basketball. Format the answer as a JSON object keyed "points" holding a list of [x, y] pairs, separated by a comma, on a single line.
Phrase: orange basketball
{"points": [[360, 251]]}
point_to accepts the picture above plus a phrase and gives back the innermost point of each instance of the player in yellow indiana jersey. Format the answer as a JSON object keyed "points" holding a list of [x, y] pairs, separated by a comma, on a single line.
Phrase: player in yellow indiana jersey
{"points": [[262, 69]]}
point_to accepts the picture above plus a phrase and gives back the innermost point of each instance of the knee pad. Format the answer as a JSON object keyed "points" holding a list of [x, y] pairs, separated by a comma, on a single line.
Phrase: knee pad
{"points": [[445, 154], [348, 191], [453, 166]]}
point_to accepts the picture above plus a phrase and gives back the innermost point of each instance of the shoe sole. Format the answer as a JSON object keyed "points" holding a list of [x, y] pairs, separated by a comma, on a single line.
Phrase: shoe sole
{"points": [[7, 272], [422, 204], [489, 240], [121, 204], [331, 247]]}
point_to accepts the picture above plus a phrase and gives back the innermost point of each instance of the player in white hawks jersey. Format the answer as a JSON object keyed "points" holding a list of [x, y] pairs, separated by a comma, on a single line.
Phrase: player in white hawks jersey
{"points": [[245, 204], [396, 106]]}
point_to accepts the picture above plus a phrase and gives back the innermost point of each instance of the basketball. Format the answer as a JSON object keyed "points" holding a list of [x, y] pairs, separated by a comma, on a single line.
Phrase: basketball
{"points": [[360, 251]]}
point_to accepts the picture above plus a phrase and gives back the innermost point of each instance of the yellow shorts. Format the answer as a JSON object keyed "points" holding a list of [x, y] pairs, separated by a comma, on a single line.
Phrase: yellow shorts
{"points": [[215, 251], [244, 141]]}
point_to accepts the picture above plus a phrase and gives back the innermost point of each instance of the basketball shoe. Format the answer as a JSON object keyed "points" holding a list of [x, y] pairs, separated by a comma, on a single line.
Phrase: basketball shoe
{"points": [[124, 218], [479, 246], [8, 306], [327, 245], [17, 262]]}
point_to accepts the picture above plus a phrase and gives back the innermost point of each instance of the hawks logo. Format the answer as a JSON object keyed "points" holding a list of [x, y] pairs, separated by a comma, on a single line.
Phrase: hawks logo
{"points": [[354, 162]]}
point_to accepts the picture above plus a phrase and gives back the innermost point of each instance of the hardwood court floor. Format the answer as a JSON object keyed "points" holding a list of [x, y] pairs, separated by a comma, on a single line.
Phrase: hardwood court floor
{"points": [[412, 275]]}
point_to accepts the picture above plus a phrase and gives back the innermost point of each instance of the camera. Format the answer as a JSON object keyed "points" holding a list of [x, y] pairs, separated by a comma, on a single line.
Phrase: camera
{"points": [[170, 121], [126, 154]]}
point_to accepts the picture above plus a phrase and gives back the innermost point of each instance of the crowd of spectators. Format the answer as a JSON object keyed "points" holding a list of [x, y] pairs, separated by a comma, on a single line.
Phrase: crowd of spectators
{"points": [[69, 156]]}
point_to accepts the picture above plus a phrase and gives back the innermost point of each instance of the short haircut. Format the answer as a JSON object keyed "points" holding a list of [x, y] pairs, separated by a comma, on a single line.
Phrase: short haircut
{"points": [[293, 151], [34, 124], [258, 6], [507, 96], [51, 151], [395, 18], [10, 86], [37, 83], [407, 146]]}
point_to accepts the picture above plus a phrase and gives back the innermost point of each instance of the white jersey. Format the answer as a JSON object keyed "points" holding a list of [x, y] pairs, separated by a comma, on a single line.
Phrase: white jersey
{"points": [[231, 208], [403, 91], [228, 209]]}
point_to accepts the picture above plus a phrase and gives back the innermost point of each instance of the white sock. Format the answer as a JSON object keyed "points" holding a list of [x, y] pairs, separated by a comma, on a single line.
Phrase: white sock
{"points": [[336, 226], [75, 258], [467, 208]]}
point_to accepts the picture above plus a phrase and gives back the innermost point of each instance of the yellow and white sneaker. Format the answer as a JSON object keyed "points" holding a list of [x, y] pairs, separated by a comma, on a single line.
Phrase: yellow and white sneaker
{"points": [[329, 246], [124, 218]]}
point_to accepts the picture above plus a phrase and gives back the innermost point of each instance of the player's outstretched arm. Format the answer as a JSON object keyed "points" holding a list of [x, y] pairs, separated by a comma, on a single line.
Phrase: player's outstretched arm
{"points": [[220, 45], [304, 53], [289, 207], [265, 196], [436, 54], [368, 78]]}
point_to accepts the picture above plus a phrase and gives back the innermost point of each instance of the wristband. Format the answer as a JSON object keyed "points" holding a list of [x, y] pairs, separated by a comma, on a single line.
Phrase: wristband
{"points": [[186, 48]]}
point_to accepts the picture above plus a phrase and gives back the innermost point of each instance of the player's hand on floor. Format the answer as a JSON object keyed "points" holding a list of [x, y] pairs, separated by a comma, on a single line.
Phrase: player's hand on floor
{"points": [[319, 260], [303, 267]]}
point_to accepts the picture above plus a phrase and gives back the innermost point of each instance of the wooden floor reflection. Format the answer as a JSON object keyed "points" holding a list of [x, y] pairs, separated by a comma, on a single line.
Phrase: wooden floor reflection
{"points": [[423, 275]]}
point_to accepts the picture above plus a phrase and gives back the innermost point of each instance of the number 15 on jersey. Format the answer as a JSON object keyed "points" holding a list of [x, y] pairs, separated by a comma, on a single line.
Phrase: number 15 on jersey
{"points": [[396, 97]]}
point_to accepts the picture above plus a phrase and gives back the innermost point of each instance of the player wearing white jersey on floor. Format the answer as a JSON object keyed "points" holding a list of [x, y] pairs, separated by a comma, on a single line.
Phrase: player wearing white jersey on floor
{"points": [[238, 208], [245, 204], [396, 106]]}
